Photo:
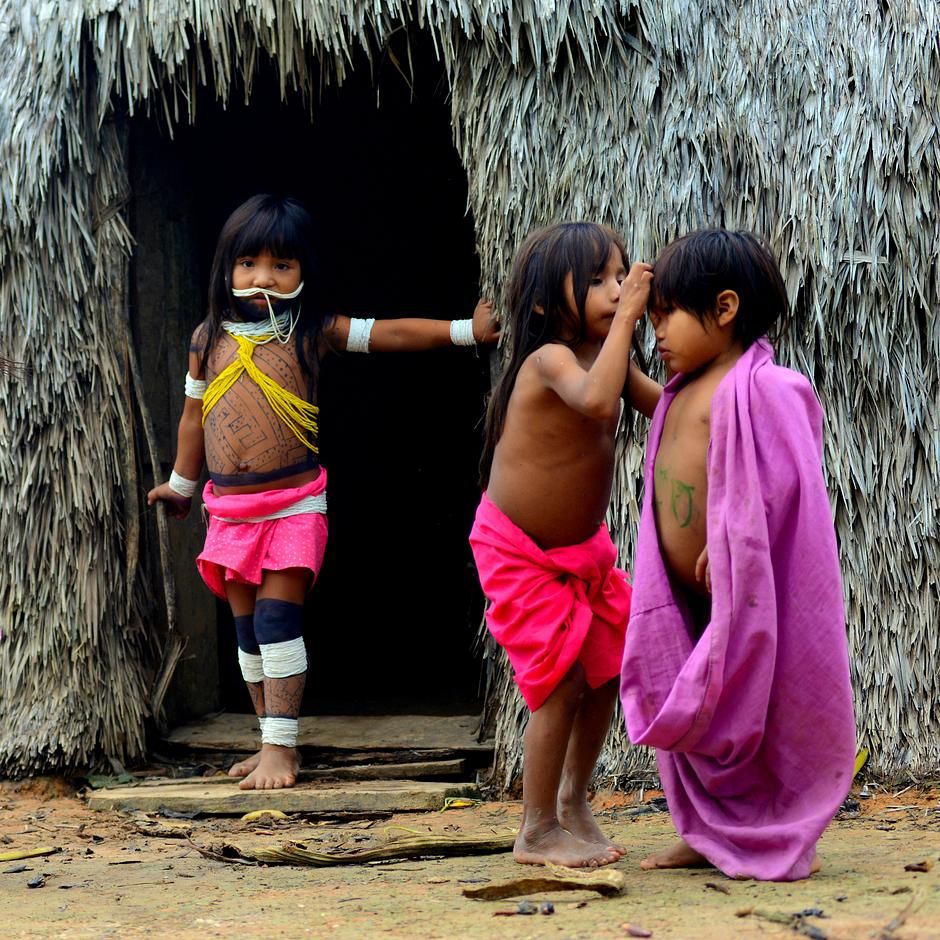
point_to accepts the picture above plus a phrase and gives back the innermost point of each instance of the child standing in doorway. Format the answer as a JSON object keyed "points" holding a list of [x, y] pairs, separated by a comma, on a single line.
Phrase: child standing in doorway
{"points": [[736, 667], [251, 414], [557, 604]]}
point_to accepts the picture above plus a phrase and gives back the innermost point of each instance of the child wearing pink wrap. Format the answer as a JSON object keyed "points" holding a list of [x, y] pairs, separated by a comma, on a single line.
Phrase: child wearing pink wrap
{"points": [[558, 605], [736, 666]]}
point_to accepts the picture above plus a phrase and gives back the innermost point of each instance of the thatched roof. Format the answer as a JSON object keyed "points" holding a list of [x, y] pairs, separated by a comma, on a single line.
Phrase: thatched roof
{"points": [[813, 122]]}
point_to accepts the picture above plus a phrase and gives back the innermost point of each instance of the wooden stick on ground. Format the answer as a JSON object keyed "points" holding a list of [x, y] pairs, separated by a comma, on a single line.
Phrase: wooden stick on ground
{"points": [[296, 853]]}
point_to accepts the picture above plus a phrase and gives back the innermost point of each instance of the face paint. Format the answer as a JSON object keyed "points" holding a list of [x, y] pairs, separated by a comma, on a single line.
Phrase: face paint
{"points": [[281, 304]]}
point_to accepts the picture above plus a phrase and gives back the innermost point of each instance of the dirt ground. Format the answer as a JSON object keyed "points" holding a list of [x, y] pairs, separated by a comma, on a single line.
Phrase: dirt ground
{"points": [[110, 878]]}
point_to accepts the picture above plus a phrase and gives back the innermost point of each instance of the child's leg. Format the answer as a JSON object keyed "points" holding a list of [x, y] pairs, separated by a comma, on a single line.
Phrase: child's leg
{"points": [[277, 623], [588, 733], [541, 837], [241, 598]]}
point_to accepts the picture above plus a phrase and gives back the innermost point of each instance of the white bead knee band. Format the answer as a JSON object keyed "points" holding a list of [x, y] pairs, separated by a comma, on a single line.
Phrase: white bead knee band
{"points": [[181, 485], [359, 332], [461, 333], [282, 731], [281, 660], [251, 666], [261, 725]]}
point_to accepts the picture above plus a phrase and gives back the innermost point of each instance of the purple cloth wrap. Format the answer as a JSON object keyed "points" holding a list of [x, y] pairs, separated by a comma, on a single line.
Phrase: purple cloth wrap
{"points": [[753, 723]]}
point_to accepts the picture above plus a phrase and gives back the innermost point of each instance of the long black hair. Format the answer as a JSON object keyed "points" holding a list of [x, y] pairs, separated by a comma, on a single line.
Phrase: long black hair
{"points": [[693, 270], [282, 226], [537, 280]]}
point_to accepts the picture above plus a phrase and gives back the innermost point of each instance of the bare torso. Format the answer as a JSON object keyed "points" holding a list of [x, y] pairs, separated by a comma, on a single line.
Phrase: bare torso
{"points": [[681, 478], [243, 435], [553, 467]]}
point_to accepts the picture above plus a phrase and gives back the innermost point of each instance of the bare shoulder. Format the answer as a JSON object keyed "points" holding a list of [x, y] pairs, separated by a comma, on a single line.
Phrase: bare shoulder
{"points": [[197, 350], [197, 343], [549, 359]]}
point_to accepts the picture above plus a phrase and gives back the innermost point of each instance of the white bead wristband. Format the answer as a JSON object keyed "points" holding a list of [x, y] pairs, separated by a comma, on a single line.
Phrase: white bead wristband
{"points": [[461, 333], [181, 485]]}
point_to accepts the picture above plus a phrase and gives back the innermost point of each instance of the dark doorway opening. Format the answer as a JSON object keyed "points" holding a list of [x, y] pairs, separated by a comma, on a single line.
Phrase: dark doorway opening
{"points": [[390, 625]]}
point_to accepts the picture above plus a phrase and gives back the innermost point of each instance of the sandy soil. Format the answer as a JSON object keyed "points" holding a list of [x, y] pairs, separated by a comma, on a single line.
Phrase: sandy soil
{"points": [[110, 879]]}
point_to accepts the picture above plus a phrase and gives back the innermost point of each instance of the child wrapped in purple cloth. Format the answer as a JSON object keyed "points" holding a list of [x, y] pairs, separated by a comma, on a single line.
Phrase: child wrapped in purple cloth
{"points": [[736, 667]]}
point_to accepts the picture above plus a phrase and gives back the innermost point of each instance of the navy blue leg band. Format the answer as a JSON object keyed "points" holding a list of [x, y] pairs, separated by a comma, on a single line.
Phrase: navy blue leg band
{"points": [[245, 631], [277, 621]]}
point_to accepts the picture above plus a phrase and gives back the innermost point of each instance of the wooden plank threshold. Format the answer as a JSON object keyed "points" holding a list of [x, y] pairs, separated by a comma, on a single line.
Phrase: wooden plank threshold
{"points": [[424, 734], [380, 796], [423, 770]]}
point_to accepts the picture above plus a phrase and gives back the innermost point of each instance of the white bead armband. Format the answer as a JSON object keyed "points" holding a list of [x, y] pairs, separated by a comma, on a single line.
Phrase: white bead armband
{"points": [[195, 388], [461, 333], [181, 485], [359, 333]]}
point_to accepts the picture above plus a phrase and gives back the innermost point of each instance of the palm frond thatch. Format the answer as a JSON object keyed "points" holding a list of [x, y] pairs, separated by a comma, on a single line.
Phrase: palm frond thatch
{"points": [[814, 123]]}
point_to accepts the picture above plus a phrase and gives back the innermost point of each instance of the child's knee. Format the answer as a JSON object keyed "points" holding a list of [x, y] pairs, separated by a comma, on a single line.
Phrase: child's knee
{"points": [[249, 654], [279, 632]]}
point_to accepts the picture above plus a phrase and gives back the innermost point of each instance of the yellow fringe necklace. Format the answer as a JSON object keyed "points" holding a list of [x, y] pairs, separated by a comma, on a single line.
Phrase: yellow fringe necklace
{"points": [[300, 416]]}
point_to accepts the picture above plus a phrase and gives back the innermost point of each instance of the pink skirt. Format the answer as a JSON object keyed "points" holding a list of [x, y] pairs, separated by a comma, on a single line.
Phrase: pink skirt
{"points": [[551, 607], [241, 551]]}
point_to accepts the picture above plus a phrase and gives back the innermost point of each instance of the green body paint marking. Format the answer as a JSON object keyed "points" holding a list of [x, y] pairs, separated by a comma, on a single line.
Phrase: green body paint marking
{"points": [[681, 502]]}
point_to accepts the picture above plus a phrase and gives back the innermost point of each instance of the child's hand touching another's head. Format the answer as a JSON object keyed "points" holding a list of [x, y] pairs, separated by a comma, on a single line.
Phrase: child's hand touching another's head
{"points": [[485, 324], [635, 291]]}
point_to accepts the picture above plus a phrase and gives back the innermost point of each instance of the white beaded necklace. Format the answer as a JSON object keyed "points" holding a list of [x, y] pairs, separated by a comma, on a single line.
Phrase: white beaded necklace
{"points": [[280, 326]]}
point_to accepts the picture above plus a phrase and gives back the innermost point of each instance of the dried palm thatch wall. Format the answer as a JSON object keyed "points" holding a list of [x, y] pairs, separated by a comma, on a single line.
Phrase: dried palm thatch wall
{"points": [[813, 122], [817, 124]]}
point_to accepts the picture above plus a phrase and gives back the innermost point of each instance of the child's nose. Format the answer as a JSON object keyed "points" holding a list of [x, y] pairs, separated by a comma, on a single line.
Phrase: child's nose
{"points": [[264, 277]]}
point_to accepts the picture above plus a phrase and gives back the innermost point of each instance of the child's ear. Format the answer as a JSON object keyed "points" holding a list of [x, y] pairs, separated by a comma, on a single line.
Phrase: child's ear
{"points": [[726, 307]]}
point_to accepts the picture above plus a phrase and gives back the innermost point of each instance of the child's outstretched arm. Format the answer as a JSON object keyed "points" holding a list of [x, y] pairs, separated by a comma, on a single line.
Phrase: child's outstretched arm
{"points": [[412, 334], [190, 447], [596, 392], [642, 392]]}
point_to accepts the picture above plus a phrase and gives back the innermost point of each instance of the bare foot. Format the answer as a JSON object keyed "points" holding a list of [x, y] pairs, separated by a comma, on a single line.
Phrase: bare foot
{"points": [[277, 768], [578, 819], [245, 767], [816, 866], [557, 846], [680, 855]]}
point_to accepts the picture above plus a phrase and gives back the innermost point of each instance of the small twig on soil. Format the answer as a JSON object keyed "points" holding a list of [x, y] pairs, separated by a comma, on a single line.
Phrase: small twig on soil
{"points": [[899, 919], [217, 857], [720, 888]]}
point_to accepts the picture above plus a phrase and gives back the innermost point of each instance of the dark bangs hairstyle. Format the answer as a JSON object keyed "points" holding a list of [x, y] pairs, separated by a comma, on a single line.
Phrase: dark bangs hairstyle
{"points": [[282, 226], [537, 279], [693, 270]]}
